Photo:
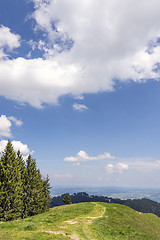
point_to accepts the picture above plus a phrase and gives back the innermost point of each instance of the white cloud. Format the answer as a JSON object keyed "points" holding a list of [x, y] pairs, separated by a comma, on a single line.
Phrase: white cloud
{"points": [[82, 156], [66, 175], [110, 41], [15, 120], [5, 126], [8, 40], [134, 164], [17, 145], [35, 81], [79, 107], [116, 168], [3, 144], [110, 38], [142, 164]]}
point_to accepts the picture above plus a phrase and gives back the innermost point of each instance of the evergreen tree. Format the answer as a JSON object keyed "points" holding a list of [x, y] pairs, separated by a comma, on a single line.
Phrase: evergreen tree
{"points": [[22, 169], [11, 191], [37, 190], [30, 186], [46, 194], [67, 198], [23, 192], [21, 163]]}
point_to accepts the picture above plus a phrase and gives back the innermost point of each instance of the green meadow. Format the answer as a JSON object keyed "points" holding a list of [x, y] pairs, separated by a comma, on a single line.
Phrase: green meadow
{"points": [[92, 221]]}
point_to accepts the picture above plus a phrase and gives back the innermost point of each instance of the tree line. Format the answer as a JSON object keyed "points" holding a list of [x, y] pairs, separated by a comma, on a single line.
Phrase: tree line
{"points": [[23, 191]]}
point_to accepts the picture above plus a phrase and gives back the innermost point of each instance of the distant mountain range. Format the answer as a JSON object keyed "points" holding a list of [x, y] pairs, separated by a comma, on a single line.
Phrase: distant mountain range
{"points": [[113, 192]]}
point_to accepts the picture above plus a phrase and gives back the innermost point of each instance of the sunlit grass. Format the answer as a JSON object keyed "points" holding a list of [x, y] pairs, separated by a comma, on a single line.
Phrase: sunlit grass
{"points": [[92, 221]]}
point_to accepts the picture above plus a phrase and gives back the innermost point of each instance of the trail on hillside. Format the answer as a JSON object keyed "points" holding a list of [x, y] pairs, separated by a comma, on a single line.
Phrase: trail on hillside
{"points": [[80, 224], [97, 213], [84, 221]]}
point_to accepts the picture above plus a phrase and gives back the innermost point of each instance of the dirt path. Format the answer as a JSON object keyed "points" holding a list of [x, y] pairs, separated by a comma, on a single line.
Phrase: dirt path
{"points": [[98, 212], [82, 223], [74, 236]]}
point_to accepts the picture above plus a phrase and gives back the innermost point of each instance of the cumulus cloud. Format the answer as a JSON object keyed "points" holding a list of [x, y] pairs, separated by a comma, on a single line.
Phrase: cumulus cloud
{"points": [[17, 145], [79, 107], [89, 45], [82, 156], [35, 81], [5, 126], [116, 168]]}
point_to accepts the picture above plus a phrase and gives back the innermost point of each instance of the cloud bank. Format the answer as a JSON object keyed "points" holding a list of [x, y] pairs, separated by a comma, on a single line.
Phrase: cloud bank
{"points": [[88, 45]]}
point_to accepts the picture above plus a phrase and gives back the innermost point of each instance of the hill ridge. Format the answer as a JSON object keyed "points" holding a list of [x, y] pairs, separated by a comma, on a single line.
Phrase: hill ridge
{"points": [[92, 221], [142, 205]]}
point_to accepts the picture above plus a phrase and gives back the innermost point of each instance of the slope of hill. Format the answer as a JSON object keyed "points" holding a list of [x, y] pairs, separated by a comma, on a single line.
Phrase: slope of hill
{"points": [[92, 221]]}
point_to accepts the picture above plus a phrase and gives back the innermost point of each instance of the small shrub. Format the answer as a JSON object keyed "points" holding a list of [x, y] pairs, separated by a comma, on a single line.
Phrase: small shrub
{"points": [[30, 227]]}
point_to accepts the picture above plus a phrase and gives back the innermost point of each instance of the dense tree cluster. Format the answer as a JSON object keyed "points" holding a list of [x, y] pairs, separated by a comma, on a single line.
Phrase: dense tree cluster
{"points": [[23, 191]]}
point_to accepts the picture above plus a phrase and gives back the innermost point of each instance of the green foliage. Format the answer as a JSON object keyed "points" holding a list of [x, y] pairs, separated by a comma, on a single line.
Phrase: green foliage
{"points": [[36, 190], [30, 227], [23, 192], [67, 198], [11, 193]]}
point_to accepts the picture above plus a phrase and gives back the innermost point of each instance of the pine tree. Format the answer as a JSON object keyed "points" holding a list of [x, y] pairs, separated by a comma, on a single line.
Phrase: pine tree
{"points": [[37, 190], [67, 198], [22, 169], [43, 194], [21, 163], [46, 194], [30, 186], [11, 191]]}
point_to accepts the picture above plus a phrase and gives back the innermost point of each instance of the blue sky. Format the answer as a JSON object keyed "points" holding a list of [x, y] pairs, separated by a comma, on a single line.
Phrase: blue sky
{"points": [[80, 90]]}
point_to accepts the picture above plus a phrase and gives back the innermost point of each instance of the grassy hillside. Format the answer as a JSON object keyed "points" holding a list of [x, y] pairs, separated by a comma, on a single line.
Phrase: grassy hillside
{"points": [[92, 221]]}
